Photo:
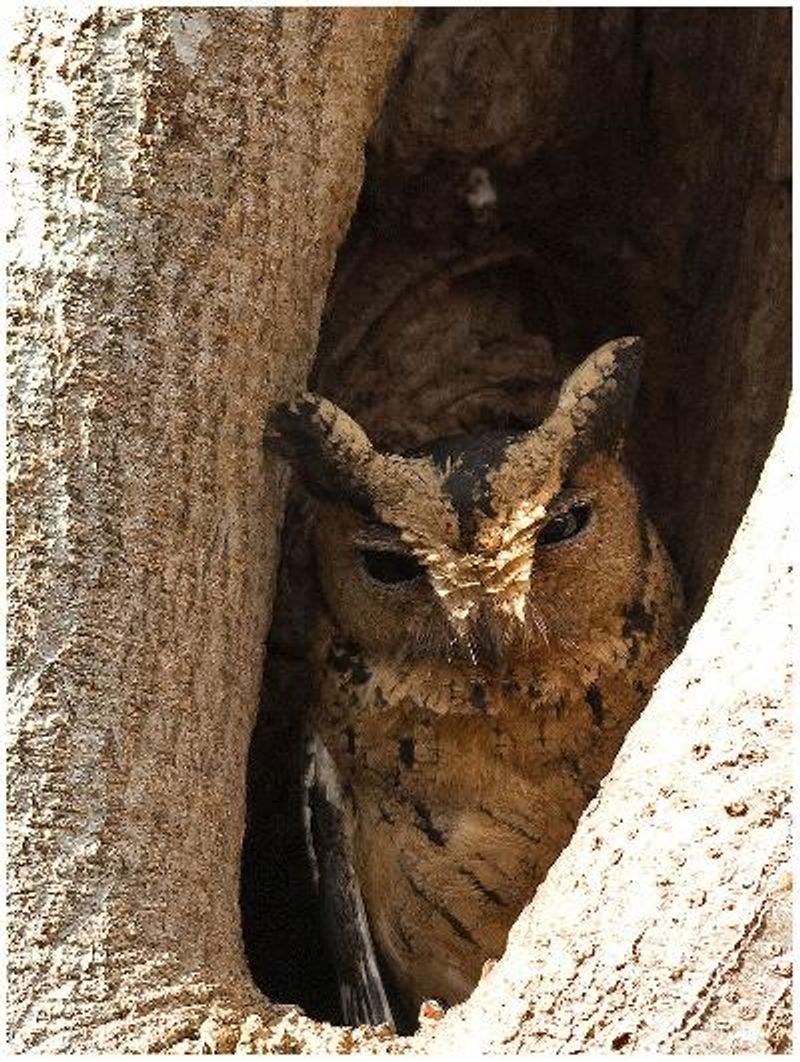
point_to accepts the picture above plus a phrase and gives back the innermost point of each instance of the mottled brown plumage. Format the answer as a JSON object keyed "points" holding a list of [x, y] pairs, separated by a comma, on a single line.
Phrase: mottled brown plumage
{"points": [[497, 608]]}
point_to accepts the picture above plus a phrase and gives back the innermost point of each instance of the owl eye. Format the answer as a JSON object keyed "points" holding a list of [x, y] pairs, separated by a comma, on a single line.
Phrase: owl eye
{"points": [[390, 567], [565, 525]]}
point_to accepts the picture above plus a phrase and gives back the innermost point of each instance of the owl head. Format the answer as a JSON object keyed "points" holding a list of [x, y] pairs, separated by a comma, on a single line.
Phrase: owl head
{"points": [[475, 546]]}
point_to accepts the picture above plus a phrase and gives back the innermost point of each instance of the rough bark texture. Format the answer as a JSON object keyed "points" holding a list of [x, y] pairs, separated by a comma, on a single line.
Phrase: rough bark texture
{"points": [[706, 267], [182, 182]]}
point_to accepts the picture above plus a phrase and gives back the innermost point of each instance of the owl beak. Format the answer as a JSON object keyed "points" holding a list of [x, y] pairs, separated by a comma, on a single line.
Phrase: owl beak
{"points": [[486, 639], [486, 630], [489, 642]]}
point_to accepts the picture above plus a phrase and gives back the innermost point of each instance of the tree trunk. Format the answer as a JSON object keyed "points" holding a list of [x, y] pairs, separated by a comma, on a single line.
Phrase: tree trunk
{"points": [[182, 182]]}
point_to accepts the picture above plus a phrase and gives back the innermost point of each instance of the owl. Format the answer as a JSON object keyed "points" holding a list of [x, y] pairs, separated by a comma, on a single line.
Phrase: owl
{"points": [[495, 610]]}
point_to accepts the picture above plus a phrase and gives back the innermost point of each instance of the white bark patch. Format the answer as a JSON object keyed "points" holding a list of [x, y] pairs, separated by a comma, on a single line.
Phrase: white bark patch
{"points": [[187, 33]]}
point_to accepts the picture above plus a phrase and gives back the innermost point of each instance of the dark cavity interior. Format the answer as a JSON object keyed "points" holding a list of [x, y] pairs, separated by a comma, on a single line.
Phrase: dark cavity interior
{"points": [[570, 174]]}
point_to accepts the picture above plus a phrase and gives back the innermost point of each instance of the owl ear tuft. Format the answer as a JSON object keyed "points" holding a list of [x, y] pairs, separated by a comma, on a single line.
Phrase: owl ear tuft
{"points": [[328, 451], [597, 398]]}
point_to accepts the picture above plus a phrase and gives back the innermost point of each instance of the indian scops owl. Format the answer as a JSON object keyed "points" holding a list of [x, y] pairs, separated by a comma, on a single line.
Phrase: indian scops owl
{"points": [[497, 609]]}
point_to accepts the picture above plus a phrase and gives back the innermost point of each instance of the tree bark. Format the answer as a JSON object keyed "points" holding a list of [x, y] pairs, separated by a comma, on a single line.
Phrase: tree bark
{"points": [[182, 181]]}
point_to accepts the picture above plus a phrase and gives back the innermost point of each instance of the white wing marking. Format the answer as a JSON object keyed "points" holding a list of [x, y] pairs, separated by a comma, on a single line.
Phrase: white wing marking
{"points": [[361, 989]]}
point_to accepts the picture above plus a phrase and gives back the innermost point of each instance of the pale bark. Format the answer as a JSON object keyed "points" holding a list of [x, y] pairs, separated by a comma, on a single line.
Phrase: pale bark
{"points": [[182, 183], [182, 180]]}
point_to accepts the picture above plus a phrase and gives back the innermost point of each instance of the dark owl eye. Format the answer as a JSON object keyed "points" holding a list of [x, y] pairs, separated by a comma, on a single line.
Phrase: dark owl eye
{"points": [[390, 567], [565, 525]]}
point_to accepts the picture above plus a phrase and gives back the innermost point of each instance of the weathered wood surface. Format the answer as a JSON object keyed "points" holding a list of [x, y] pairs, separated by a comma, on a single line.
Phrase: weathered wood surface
{"points": [[182, 180]]}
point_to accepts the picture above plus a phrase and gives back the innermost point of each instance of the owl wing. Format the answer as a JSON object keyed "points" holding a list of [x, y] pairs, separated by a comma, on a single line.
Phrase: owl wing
{"points": [[329, 831]]}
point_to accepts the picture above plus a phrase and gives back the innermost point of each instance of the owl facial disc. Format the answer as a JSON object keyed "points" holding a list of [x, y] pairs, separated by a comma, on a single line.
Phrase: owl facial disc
{"points": [[467, 508]]}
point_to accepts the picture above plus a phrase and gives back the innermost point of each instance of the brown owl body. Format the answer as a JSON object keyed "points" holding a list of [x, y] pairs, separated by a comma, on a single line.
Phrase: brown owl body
{"points": [[497, 609]]}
